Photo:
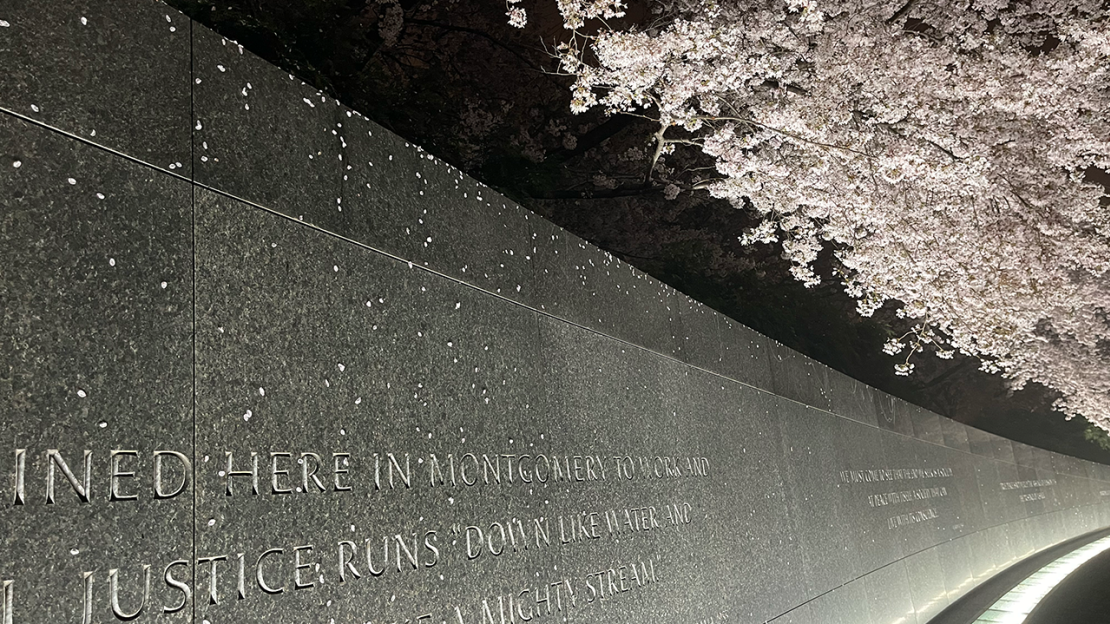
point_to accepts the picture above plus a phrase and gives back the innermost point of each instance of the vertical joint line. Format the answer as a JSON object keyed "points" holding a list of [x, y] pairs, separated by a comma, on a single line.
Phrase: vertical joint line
{"points": [[193, 228]]}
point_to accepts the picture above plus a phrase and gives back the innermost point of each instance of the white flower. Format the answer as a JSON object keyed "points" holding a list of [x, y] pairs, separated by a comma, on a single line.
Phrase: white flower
{"points": [[893, 346], [517, 17], [947, 174]]}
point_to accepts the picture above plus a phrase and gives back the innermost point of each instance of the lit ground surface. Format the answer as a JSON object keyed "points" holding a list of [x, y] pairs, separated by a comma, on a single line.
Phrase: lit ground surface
{"points": [[1018, 604], [1083, 597]]}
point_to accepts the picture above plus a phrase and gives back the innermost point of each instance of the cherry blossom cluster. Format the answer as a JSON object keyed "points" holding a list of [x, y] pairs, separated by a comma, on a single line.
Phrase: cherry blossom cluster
{"points": [[940, 150]]}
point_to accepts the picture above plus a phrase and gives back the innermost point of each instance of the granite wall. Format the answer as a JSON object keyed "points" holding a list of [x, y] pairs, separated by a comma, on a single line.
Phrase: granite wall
{"points": [[263, 361]]}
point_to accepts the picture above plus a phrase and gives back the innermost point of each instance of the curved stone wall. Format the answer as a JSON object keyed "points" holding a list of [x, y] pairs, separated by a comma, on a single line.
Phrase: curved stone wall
{"points": [[293, 368]]}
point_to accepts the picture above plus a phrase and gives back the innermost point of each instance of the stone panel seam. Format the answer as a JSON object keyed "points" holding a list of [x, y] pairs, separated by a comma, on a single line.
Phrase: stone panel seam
{"points": [[90, 143], [193, 224]]}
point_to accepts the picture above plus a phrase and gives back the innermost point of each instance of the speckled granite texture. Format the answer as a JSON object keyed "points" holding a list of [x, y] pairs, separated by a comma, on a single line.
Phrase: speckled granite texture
{"points": [[290, 368]]}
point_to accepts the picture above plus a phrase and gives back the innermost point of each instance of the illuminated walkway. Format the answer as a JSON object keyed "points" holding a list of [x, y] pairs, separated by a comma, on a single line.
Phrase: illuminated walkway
{"points": [[1083, 597]]}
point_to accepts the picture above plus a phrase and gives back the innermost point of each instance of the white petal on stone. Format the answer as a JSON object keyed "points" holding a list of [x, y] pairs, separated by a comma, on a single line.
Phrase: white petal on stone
{"points": [[71, 181], [81, 393], [17, 163], [84, 21]]}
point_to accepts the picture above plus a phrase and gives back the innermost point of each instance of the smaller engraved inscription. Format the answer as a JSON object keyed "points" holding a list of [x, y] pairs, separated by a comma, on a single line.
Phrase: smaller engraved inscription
{"points": [[887, 498]]}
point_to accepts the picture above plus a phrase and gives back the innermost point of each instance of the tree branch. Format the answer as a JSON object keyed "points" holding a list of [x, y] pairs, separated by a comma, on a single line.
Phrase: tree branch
{"points": [[591, 139], [624, 191]]}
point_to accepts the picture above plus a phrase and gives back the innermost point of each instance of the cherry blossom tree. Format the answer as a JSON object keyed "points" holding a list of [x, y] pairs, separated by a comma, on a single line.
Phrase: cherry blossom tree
{"points": [[942, 152]]}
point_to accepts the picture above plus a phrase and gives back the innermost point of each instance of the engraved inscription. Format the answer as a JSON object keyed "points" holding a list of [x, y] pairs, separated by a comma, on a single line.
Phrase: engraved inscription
{"points": [[1021, 485], [899, 497], [1028, 497], [893, 474], [171, 476], [911, 518], [387, 471], [211, 581], [906, 496], [537, 602]]}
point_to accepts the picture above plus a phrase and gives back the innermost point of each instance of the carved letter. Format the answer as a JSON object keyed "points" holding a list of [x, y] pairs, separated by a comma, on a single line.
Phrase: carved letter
{"points": [[258, 572], [524, 476], [570, 592], [377, 472], [429, 543], [546, 600], [113, 479], [629, 467], [519, 610], [547, 470], [433, 468], [462, 469], [406, 472], [298, 566], [241, 586], [20, 468], [561, 472], [385, 557], [489, 466], [509, 465], [275, 471], [306, 474], [113, 586], [489, 539], [86, 617], [7, 595], [176, 584], [53, 457], [541, 531], [186, 469], [472, 554], [252, 473], [345, 561], [213, 598], [336, 457], [412, 555]]}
